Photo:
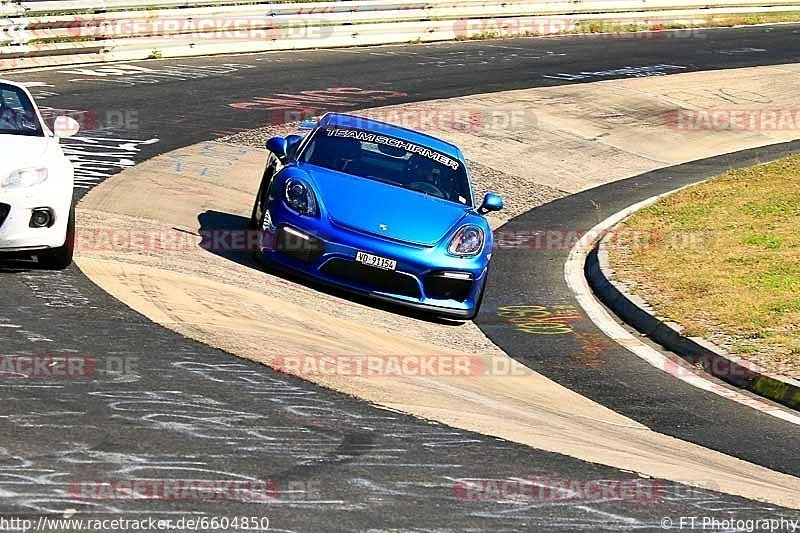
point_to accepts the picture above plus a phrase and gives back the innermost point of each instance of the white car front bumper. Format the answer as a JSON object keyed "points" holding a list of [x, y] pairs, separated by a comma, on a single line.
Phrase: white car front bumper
{"points": [[16, 233]]}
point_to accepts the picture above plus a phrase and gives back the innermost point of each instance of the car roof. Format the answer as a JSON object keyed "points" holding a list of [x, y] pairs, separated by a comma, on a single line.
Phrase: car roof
{"points": [[17, 85], [14, 84], [363, 123]]}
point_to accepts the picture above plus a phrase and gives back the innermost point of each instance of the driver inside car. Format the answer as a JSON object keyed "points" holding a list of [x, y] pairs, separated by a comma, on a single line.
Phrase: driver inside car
{"points": [[13, 119], [7, 115], [424, 176], [348, 153]]}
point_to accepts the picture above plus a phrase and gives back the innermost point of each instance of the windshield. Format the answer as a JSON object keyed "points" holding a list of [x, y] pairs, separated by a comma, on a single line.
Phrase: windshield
{"points": [[389, 160], [17, 114]]}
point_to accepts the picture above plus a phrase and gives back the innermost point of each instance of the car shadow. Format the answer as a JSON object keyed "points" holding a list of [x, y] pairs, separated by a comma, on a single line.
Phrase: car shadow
{"points": [[215, 222], [18, 264], [11, 267]]}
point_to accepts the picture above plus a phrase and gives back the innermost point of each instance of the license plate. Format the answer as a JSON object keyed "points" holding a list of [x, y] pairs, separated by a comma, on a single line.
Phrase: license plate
{"points": [[376, 261]]}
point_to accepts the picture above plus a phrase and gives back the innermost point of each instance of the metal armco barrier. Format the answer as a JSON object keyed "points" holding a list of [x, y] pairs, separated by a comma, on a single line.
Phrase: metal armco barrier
{"points": [[36, 34]]}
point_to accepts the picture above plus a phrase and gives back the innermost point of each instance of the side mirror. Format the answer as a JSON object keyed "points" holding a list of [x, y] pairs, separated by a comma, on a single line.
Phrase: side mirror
{"points": [[491, 202], [292, 144], [277, 145], [65, 126]]}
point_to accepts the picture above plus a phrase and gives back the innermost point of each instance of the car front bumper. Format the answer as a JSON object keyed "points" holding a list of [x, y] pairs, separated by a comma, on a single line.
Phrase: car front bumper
{"points": [[426, 278], [16, 209]]}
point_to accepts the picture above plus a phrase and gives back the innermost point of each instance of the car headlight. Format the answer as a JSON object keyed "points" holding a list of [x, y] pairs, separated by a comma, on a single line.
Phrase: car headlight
{"points": [[25, 177], [467, 241], [300, 197]]}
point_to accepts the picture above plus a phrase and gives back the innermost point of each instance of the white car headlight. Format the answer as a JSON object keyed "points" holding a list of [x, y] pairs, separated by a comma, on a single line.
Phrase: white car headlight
{"points": [[467, 241], [25, 177]]}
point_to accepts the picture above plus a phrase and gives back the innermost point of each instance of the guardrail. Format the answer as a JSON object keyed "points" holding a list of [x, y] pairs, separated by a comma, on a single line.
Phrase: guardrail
{"points": [[87, 6], [140, 29], [21, 8]]}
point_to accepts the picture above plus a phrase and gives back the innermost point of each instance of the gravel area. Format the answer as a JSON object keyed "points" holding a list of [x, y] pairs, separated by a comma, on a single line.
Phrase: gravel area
{"points": [[519, 195], [259, 136]]}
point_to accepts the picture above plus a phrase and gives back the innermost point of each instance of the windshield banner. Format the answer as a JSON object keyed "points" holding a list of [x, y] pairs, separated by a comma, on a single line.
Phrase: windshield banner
{"points": [[396, 143]]}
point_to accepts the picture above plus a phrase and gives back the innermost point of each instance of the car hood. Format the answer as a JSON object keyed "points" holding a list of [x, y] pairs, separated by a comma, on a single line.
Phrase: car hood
{"points": [[22, 151], [369, 206]]}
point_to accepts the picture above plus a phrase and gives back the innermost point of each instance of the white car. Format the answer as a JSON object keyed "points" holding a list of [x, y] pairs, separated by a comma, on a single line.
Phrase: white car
{"points": [[37, 216]]}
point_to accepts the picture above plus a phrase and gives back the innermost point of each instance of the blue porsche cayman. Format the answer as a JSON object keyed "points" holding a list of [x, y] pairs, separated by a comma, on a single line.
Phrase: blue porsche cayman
{"points": [[376, 209]]}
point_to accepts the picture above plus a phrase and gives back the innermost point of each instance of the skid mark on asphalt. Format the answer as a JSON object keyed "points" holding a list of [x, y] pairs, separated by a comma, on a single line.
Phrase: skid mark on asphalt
{"points": [[132, 75], [471, 58], [316, 101], [746, 50], [625, 72], [56, 289], [229, 420]]}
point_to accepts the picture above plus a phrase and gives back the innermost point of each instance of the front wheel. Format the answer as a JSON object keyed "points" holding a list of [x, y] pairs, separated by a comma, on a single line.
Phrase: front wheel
{"points": [[263, 193], [260, 224], [61, 257], [257, 207]]}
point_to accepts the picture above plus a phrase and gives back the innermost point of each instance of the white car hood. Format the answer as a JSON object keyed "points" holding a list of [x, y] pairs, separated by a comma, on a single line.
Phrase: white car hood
{"points": [[22, 151]]}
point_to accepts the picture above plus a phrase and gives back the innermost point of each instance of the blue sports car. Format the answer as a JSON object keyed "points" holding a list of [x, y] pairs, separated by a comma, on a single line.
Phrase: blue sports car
{"points": [[379, 210]]}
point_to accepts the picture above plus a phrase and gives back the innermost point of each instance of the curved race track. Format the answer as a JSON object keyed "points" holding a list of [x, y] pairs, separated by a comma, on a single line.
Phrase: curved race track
{"points": [[188, 411]]}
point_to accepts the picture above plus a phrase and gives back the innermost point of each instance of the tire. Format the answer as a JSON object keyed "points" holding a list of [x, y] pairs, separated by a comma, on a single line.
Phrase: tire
{"points": [[258, 255], [263, 192], [61, 257], [254, 222]]}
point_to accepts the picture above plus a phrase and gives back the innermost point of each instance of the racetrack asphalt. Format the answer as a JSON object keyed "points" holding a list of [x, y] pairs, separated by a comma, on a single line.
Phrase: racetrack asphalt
{"points": [[598, 368], [189, 411]]}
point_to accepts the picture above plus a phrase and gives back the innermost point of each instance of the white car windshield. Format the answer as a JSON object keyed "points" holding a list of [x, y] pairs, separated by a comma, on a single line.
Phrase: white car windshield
{"points": [[17, 114]]}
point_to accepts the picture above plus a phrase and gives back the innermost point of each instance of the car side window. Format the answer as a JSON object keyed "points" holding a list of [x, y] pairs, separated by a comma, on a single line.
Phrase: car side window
{"points": [[17, 114]]}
